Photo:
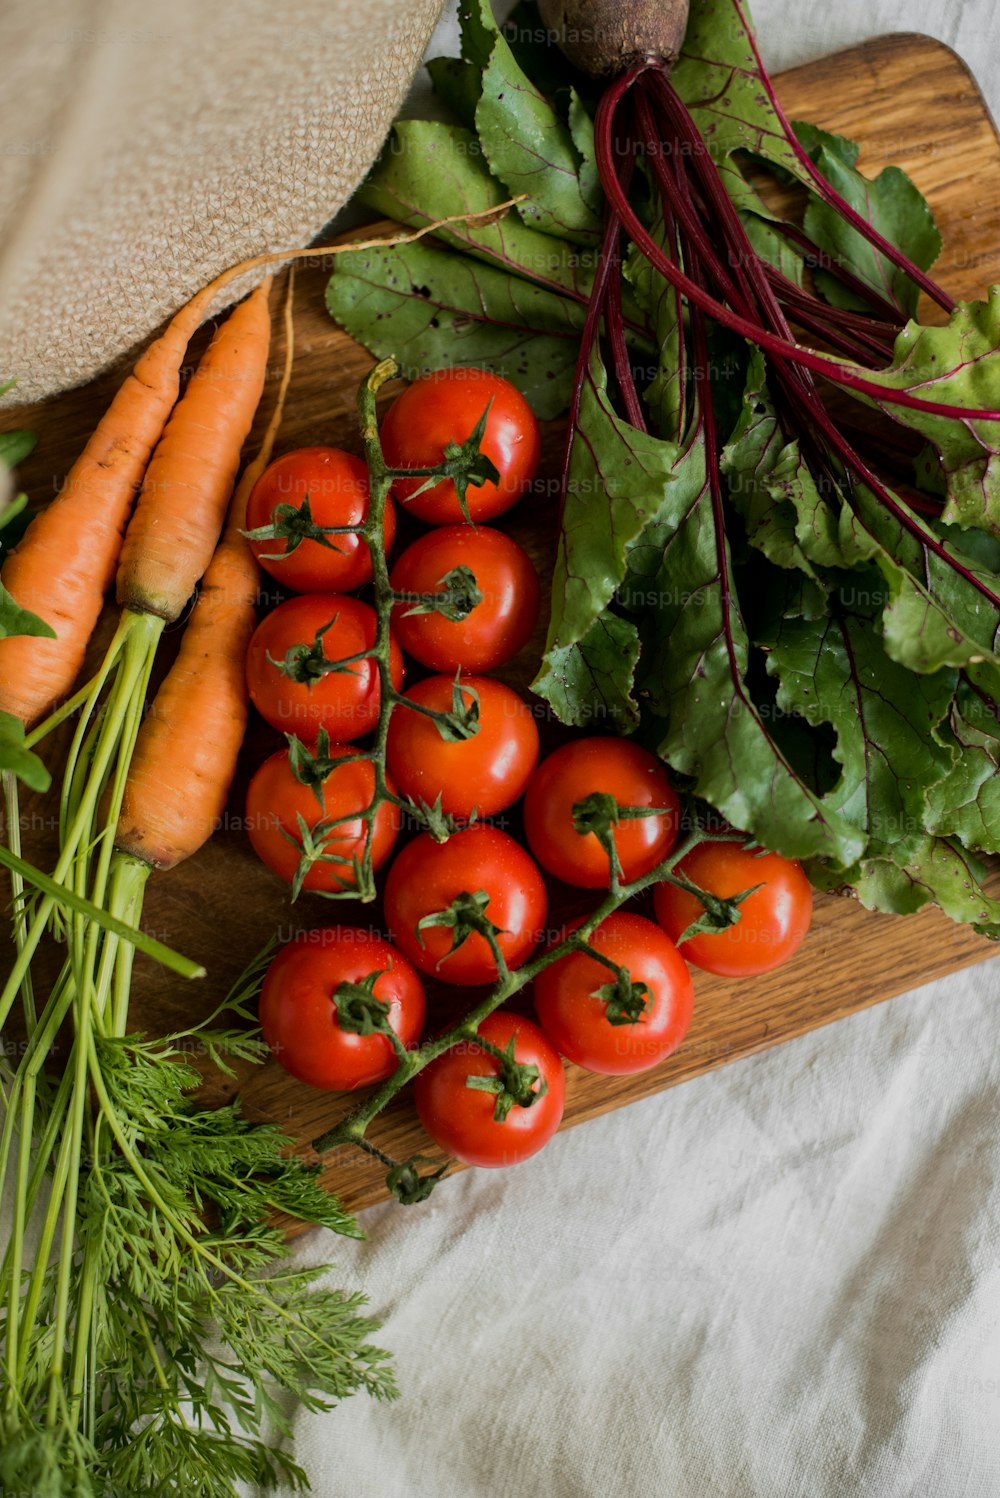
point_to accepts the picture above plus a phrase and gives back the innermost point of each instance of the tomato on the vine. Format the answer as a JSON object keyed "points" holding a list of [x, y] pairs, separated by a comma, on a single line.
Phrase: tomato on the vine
{"points": [[496, 628], [773, 921], [579, 1000], [326, 487], [276, 799], [312, 633], [614, 767], [484, 773], [443, 408], [300, 1019], [499, 881], [462, 1119]]}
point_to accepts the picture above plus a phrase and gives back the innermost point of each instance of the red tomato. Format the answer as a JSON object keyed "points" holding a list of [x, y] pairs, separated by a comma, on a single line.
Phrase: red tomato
{"points": [[299, 1017], [427, 876], [276, 800], [772, 922], [496, 628], [485, 773], [621, 769], [443, 408], [346, 702], [336, 486], [574, 1017], [460, 1118]]}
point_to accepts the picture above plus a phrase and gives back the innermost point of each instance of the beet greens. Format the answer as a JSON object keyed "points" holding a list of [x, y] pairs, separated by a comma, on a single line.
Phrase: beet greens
{"points": [[779, 561]]}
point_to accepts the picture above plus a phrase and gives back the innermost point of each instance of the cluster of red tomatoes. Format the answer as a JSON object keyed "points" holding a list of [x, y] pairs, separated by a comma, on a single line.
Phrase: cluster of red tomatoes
{"points": [[308, 674]]}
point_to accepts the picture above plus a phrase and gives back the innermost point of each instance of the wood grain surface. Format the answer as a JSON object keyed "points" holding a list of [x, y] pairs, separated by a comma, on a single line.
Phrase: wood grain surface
{"points": [[909, 101]]}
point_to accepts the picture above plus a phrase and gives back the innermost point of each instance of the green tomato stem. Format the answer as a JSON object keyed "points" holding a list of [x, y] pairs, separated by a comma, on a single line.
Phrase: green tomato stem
{"points": [[352, 1128]]}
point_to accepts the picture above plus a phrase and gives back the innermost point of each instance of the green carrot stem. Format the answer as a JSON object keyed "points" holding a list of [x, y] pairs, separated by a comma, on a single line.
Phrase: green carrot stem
{"points": [[12, 813], [128, 885], [121, 882], [46, 1238], [64, 711], [46, 1145], [127, 732], [17, 1230], [58, 893], [21, 1116], [83, 728], [68, 1245], [80, 812]]}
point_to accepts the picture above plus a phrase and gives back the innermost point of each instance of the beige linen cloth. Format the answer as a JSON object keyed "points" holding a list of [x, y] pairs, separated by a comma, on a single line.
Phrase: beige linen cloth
{"points": [[145, 145]]}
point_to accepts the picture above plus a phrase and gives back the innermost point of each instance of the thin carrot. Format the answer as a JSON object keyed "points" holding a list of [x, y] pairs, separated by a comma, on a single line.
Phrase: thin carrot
{"points": [[186, 751], [185, 755], [63, 566], [190, 477]]}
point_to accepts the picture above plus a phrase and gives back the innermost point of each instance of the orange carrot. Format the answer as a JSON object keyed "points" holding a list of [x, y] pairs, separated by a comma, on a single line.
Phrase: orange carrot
{"points": [[63, 566], [182, 502], [185, 754]]}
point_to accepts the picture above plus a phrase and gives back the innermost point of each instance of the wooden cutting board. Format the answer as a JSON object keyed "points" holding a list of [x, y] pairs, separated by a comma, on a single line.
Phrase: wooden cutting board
{"points": [[909, 101]]}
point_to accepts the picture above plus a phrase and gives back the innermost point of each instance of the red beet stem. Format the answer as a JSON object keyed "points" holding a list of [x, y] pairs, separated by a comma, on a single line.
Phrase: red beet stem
{"points": [[607, 266], [822, 261], [753, 293], [614, 322], [840, 374], [831, 196]]}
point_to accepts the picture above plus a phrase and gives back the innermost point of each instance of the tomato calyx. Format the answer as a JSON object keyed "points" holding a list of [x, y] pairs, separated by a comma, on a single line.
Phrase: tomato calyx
{"points": [[600, 813], [625, 1002], [294, 524], [361, 1012], [462, 462], [312, 767], [518, 1084], [435, 821], [406, 1183], [359, 1009], [718, 913], [403, 1178], [306, 664], [464, 917], [313, 842], [459, 596], [461, 723]]}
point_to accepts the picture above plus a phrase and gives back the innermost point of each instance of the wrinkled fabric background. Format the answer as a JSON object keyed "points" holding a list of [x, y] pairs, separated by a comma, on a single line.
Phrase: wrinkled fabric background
{"points": [[146, 145], [781, 1280]]}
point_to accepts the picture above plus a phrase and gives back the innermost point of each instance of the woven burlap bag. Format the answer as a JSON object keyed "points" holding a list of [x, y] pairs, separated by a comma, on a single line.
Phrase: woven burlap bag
{"points": [[145, 145]]}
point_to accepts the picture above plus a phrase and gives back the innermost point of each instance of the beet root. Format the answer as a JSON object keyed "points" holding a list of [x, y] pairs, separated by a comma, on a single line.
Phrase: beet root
{"points": [[605, 37]]}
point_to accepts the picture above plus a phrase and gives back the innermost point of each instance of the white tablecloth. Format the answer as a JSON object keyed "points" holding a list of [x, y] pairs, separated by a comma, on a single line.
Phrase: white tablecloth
{"points": [[778, 1281]]}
